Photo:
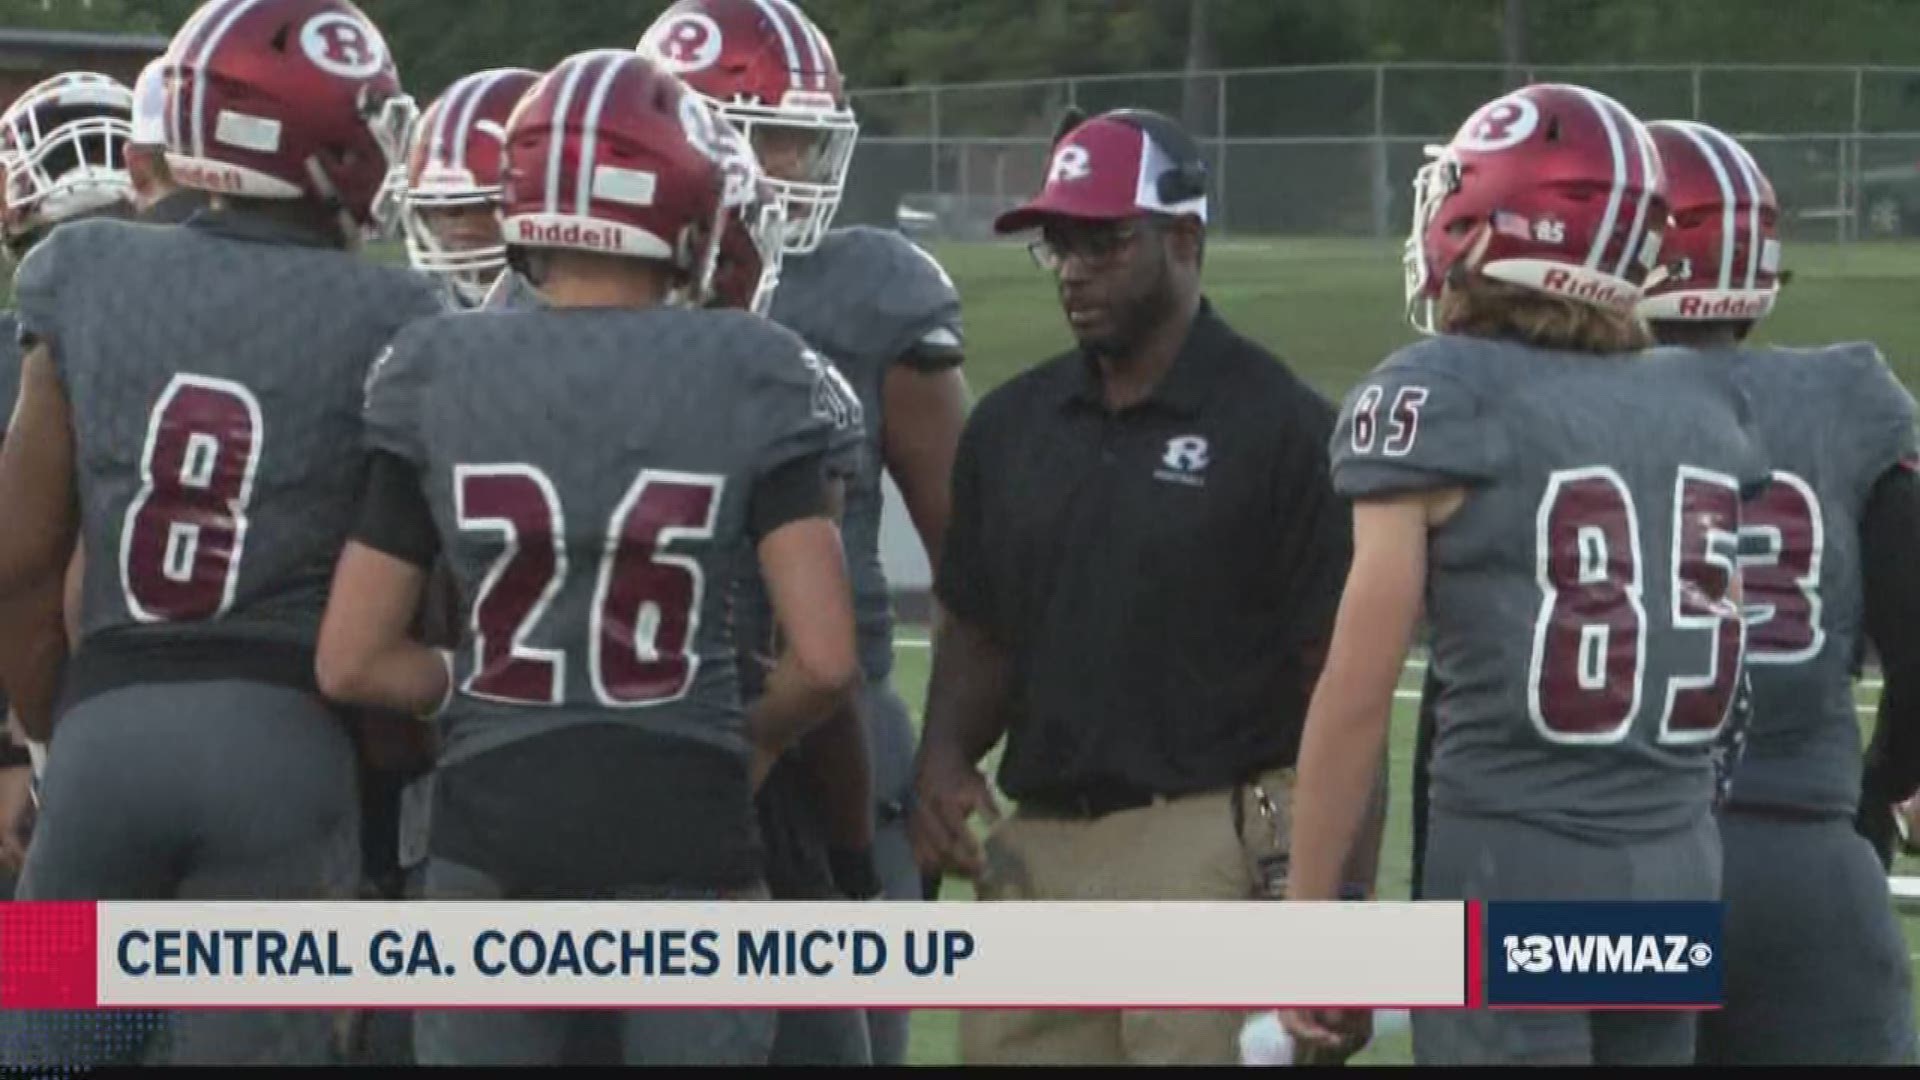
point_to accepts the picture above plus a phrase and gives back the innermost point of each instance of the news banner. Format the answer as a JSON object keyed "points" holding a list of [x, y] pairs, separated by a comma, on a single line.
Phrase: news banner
{"points": [[641, 955]]}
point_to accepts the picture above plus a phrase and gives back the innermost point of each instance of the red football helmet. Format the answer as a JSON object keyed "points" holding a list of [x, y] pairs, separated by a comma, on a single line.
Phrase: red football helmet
{"points": [[609, 152], [753, 230], [1722, 250], [62, 147], [1552, 187], [285, 99], [454, 161], [767, 67]]}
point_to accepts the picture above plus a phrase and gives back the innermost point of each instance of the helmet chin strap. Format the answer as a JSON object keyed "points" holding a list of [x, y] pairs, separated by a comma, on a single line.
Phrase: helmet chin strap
{"points": [[349, 228], [1477, 251]]}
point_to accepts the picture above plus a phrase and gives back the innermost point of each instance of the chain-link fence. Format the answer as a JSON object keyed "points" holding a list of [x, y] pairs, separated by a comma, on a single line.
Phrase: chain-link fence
{"points": [[1331, 150]]}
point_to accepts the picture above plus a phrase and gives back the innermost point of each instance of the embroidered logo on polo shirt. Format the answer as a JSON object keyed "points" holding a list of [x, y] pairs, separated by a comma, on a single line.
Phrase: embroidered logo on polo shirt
{"points": [[1185, 461]]}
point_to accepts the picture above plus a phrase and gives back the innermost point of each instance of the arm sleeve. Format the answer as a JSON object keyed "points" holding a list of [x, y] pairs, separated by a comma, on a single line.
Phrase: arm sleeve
{"points": [[1407, 428], [1889, 536], [394, 515], [933, 354], [792, 491]]}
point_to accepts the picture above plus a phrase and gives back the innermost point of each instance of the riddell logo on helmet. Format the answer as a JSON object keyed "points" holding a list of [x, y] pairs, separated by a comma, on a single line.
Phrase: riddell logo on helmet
{"points": [[1581, 287], [1726, 307], [206, 176], [569, 235]]}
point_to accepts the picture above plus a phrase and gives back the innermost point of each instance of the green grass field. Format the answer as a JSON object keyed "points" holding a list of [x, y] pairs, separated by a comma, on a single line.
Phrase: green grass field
{"points": [[1332, 309]]}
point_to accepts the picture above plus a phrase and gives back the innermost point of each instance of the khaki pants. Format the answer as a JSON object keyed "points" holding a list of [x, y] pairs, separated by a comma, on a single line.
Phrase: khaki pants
{"points": [[1180, 849]]}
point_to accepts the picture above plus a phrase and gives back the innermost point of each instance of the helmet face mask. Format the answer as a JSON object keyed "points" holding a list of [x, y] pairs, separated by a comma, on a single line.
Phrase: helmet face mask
{"points": [[468, 267], [446, 194], [750, 234], [62, 148], [1438, 178], [770, 72], [819, 144]]}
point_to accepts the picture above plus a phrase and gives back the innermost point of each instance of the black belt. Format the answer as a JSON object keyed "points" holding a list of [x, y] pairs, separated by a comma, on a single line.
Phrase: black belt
{"points": [[1087, 803]]}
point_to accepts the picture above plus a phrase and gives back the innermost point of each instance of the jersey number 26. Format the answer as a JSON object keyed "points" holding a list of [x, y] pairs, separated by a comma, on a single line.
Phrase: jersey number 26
{"points": [[646, 601]]}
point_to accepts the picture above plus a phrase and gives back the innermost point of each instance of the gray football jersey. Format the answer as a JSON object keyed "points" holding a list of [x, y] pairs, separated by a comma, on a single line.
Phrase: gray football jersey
{"points": [[1833, 421], [590, 474], [215, 372], [10, 357], [1577, 599], [863, 299]]}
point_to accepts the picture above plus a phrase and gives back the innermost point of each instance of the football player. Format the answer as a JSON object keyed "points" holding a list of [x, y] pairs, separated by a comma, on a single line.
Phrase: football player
{"points": [[1827, 556], [198, 440], [450, 206], [1567, 506], [155, 194], [63, 147], [886, 314], [595, 469]]}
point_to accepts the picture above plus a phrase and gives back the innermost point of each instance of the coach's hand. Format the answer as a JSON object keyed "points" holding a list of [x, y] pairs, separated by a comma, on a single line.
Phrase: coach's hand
{"points": [[16, 816], [1327, 1036], [946, 796]]}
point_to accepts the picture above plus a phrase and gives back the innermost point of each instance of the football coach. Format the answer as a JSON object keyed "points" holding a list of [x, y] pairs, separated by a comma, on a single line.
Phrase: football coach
{"points": [[1141, 571]]}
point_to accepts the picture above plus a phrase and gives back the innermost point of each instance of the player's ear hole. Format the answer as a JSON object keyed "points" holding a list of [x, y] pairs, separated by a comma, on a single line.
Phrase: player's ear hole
{"points": [[280, 39], [1553, 129]]}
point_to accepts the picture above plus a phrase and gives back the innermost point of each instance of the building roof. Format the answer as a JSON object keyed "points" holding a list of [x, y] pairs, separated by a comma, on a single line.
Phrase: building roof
{"points": [[82, 39]]}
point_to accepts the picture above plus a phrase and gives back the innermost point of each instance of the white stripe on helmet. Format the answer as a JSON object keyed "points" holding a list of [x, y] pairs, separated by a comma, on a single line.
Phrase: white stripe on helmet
{"points": [[483, 85], [1649, 178], [786, 39], [806, 31], [1695, 135], [233, 13], [178, 50], [1612, 216], [1750, 175], [558, 139], [590, 133]]}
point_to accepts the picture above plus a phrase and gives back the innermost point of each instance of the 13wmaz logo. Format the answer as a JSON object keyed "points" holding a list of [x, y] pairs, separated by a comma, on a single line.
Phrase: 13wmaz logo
{"points": [[1621, 954]]}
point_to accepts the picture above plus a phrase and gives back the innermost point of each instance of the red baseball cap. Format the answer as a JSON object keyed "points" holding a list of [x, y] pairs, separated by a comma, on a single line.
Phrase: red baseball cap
{"points": [[1117, 165]]}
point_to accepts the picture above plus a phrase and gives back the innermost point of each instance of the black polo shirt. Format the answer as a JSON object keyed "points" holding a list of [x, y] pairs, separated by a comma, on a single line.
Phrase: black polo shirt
{"points": [[1164, 579]]}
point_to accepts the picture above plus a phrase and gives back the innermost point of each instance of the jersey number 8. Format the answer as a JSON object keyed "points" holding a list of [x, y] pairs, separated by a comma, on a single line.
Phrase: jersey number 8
{"points": [[184, 531]]}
